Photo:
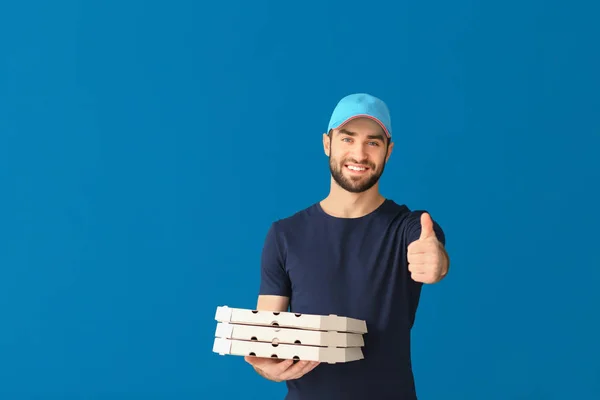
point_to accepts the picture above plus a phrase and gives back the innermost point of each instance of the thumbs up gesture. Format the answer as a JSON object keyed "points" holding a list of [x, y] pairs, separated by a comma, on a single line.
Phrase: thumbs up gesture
{"points": [[427, 259]]}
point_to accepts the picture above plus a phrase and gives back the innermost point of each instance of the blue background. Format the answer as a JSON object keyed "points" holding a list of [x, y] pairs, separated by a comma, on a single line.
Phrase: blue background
{"points": [[145, 148]]}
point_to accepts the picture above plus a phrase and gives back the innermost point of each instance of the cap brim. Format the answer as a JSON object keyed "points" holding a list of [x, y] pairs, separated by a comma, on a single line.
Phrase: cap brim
{"points": [[387, 133]]}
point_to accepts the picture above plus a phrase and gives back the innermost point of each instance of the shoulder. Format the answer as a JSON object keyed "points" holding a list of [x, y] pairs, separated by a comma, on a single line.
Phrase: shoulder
{"points": [[400, 213], [280, 229], [297, 219], [409, 221]]}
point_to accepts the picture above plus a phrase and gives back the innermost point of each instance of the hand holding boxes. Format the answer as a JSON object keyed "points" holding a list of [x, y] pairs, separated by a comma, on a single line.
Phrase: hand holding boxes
{"points": [[286, 335]]}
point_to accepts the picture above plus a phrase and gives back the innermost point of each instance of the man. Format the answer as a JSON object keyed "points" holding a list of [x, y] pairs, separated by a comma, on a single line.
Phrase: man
{"points": [[355, 254]]}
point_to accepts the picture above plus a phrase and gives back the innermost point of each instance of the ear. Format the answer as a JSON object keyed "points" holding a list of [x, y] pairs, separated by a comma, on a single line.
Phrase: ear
{"points": [[326, 144], [389, 153]]}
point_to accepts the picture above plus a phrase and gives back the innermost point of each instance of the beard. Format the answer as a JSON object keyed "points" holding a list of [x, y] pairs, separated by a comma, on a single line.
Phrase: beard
{"points": [[354, 184]]}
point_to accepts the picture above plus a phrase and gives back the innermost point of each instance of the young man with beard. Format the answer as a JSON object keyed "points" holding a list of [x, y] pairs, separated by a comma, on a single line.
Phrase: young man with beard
{"points": [[356, 254]]}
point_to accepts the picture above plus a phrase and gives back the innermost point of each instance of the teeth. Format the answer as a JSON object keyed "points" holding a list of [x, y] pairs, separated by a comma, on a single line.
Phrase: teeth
{"points": [[353, 168]]}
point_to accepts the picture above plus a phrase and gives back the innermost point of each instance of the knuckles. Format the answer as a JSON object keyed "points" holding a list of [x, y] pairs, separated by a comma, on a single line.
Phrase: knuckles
{"points": [[421, 246], [423, 278]]}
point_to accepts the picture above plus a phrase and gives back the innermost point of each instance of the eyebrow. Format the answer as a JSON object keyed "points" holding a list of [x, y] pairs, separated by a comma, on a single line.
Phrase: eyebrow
{"points": [[350, 133]]}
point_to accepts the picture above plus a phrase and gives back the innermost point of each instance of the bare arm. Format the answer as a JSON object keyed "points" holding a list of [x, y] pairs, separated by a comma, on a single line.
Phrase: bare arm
{"points": [[274, 295], [277, 370], [272, 303]]}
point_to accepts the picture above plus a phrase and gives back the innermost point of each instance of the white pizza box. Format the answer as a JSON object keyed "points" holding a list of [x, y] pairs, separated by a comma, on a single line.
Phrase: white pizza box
{"points": [[288, 335], [284, 319], [330, 355]]}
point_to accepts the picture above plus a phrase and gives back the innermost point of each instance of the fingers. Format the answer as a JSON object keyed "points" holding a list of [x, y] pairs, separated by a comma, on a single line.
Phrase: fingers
{"points": [[255, 361], [418, 247], [282, 366], [417, 268], [293, 371], [417, 258], [430, 257], [273, 365], [298, 370], [425, 273], [282, 369], [309, 367], [313, 365]]}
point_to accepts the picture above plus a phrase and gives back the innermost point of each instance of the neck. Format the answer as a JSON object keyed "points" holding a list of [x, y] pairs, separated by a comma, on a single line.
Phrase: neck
{"points": [[343, 204]]}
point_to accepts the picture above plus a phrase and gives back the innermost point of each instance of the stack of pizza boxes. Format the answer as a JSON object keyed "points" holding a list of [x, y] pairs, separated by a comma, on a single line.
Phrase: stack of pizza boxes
{"points": [[287, 335]]}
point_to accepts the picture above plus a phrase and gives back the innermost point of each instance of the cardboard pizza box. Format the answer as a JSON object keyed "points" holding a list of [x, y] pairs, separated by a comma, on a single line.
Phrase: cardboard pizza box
{"points": [[278, 335], [284, 319], [330, 355]]}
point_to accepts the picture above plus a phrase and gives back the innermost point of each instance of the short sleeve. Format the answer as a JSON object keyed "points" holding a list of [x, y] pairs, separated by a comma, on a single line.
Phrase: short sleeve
{"points": [[274, 279], [414, 228]]}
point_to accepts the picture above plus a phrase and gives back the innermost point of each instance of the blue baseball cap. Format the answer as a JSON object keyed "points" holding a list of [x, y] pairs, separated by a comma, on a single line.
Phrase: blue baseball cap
{"points": [[361, 105]]}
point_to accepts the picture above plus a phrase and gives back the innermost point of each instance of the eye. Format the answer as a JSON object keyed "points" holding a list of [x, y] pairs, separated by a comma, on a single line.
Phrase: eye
{"points": [[374, 143]]}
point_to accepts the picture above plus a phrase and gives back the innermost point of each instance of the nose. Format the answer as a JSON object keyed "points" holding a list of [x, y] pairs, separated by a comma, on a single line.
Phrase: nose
{"points": [[359, 153]]}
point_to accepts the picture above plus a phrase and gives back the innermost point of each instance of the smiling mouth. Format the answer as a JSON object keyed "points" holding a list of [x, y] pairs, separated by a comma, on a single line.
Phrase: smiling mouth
{"points": [[356, 168]]}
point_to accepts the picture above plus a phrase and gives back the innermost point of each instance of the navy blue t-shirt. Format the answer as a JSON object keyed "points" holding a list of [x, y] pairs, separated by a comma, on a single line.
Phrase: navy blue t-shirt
{"points": [[352, 267]]}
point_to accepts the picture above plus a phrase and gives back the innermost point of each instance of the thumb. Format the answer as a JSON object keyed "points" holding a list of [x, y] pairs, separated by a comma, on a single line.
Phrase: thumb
{"points": [[426, 227]]}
